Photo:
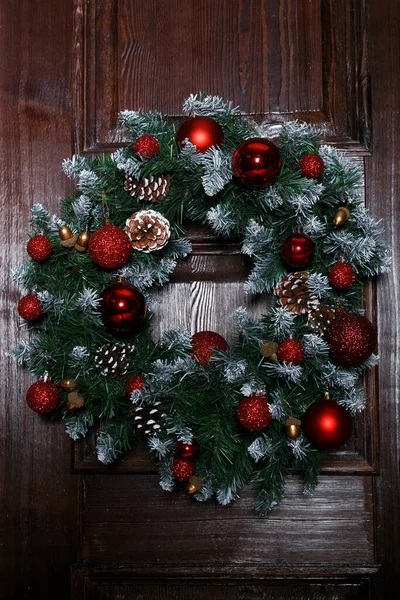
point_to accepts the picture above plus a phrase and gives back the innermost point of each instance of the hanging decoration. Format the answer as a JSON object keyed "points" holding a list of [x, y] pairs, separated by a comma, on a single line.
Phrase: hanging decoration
{"points": [[215, 416]]}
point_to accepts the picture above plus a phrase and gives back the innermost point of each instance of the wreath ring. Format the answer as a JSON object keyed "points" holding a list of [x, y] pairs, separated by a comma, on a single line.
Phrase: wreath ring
{"points": [[214, 416]]}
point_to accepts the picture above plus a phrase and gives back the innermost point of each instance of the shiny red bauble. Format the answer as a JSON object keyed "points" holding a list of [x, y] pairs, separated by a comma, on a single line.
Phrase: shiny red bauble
{"points": [[254, 413], [42, 397], [351, 338], [204, 344], [30, 308], [291, 351], [256, 163], [182, 470], [187, 451], [342, 276], [109, 247], [146, 145], [134, 383], [298, 250], [39, 248], [327, 424], [203, 132], [123, 307], [311, 166]]}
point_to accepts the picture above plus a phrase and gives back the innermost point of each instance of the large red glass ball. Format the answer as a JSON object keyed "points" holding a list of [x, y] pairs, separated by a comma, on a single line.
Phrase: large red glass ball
{"points": [[109, 247], [254, 413], [256, 163], [203, 132], [39, 248], [327, 424], [298, 250], [351, 338], [42, 397], [204, 344], [123, 307], [187, 451]]}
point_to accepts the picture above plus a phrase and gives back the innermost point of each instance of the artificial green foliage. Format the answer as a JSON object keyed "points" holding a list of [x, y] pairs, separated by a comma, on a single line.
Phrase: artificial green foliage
{"points": [[199, 402]]}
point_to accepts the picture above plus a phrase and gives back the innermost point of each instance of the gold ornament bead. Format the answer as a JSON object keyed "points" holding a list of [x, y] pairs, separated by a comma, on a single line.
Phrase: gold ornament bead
{"points": [[82, 241], [341, 216], [67, 238], [194, 485], [269, 350], [293, 428], [67, 384], [75, 400]]}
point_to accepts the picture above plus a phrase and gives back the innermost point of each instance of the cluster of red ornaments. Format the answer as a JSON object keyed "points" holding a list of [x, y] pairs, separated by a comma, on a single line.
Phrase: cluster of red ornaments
{"points": [[184, 466]]}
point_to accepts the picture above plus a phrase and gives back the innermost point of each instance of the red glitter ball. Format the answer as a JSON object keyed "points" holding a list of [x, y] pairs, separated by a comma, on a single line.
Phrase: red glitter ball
{"points": [[183, 470], [134, 383], [42, 396], [342, 276], [204, 343], [291, 351], [109, 247], [327, 424], [203, 132], [253, 413], [146, 145], [123, 307], [29, 308], [256, 163], [351, 338], [187, 451], [39, 248], [311, 166], [298, 250]]}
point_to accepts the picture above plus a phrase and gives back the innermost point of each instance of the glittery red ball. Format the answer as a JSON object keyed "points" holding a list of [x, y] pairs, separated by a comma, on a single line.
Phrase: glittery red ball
{"points": [[291, 351], [204, 343], [203, 132], [253, 413], [187, 451], [39, 248], [327, 424], [42, 396], [146, 145], [342, 276], [256, 163], [311, 166], [123, 307], [351, 338], [298, 250], [109, 247], [134, 383], [183, 470], [30, 308]]}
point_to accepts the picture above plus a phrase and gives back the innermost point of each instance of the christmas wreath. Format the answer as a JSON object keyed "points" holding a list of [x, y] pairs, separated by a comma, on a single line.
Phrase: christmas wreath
{"points": [[214, 416]]}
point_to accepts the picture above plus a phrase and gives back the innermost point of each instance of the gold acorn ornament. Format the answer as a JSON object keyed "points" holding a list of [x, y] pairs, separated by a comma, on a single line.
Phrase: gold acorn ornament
{"points": [[269, 350], [67, 238], [341, 216], [293, 427], [68, 383], [194, 485], [75, 400], [82, 240]]}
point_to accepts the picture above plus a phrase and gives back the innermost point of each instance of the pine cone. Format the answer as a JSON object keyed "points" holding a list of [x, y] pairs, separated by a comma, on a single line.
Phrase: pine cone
{"points": [[293, 292], [320, 319], [148, 230], [148, 418], [151, 189], [112, 359]]}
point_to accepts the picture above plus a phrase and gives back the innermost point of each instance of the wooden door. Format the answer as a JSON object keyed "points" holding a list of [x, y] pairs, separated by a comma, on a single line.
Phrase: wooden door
{"points": [[67, 69]]}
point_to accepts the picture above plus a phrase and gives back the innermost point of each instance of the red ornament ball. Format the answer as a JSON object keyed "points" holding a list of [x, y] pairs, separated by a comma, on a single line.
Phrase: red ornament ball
{"points": [[146, 145], [123, 307], [187, 451], [42, 396], [256, 163], [30, 308], [351, 338], [109, 247], [342, 276], [253, 413], [134, 383], [39, 248], [182, 470], [327, 424], [298, 250], [311, 166], [291, 351], [203, 132], [204, 343]]}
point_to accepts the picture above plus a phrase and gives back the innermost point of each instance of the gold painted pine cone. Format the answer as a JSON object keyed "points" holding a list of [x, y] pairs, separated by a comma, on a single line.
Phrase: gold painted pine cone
{"points": [[148, 230], [293, 292], [152, 189]]}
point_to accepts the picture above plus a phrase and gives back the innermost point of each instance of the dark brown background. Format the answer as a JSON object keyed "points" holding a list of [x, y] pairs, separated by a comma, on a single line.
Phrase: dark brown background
{"points": [[67, 69]]}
